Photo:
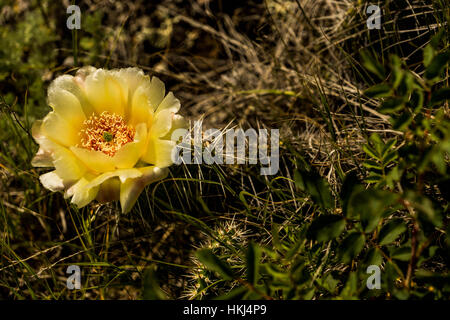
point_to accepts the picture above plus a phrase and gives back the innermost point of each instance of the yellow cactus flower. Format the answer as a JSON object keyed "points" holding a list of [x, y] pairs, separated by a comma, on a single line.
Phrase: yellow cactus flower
{"points": [[108, 135]]}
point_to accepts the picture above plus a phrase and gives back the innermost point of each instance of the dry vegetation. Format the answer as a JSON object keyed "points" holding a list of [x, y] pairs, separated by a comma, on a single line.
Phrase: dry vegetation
{"points": [[293, 65]]}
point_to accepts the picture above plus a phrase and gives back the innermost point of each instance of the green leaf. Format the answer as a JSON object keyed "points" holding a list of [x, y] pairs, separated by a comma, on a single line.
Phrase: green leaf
{"points": [[275, 236], [425, 208], [440, 96], [329, 283], [371, 64], [377, 142], [374, 257], [87, 43], [390, 274], [297, 270], [428, 55], [370, 164], [436, 39], [407, 84], [273, 270], [209, 259], [151, 289], [401, 294], [390, 157], [316, 186], [437, 65], [417, 100], [378, 91], [393, 176], [371, 152], [243, 200], [439, 159], [397, 72], [326, 227], [373, 177], [437, 279], [388, 146], [351, 184], [253, 256], [348, 292], [351, 246], [370, 205], [402, 253], [392, 105], [402, 122], [391, 231]]}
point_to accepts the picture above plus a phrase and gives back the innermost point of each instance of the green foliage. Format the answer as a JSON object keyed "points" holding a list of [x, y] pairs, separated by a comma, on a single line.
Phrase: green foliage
{"points": [[391, 216], [326, 227], [150, 287], [337, 206], [253, 257], [22, 62], [391, 231], [315, 186], [209, 259]]}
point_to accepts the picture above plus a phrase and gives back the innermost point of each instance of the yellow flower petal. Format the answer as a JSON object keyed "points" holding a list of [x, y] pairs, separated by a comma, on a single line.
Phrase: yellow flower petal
{"points": [[162, 123], [129, 154], [130, 80], [89, 187], [131, 77], [67, 166], [109, 183], [104, 92], [109, 191], [52, 181], [159, 152], [59, 130], [96, 161], [178, 122], [156, 93], [39, 136], [122, 174], [51, 154], [42, 158], [130, 189], [67, 106], [87, 174], [169, 103], [126, 157], [74, 85], [81, 195], [140, 107]]}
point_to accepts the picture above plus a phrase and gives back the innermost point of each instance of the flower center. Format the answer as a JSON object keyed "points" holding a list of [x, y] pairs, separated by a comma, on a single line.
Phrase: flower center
{"points": [[106, 133]]}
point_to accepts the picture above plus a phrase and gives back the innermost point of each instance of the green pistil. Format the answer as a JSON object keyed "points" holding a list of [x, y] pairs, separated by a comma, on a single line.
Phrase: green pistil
{"points": [[108, 137]]}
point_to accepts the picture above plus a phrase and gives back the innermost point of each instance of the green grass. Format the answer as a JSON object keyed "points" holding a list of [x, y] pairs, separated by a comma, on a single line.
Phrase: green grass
{"points": [[301, 71]]}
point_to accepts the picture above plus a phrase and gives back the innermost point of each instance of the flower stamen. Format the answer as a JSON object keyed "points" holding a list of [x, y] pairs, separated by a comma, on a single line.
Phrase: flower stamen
{"points": [[106, 133]]}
